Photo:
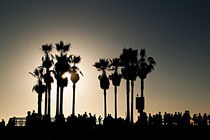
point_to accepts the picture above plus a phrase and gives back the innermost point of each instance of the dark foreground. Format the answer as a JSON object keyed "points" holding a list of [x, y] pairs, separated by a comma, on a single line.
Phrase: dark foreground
{"points": [[24, 133]]}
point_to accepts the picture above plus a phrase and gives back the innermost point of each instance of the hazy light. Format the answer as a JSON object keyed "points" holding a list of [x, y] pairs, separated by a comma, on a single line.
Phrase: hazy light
{"points": [[65, 75]]}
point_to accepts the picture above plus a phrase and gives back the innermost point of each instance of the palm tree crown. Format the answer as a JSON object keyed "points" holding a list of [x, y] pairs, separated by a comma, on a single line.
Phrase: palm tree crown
{"points": [[146, 65], [74, 70], [103, 65], [115, 77], [40, 86]]}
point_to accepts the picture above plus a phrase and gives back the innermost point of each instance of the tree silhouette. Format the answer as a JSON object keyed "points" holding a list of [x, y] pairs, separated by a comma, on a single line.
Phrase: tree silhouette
{"points": [[146, 65], [47, 62], [40, 87], [103, 65], [74, 77], [62, 66], [128, 59], [116, 78]]}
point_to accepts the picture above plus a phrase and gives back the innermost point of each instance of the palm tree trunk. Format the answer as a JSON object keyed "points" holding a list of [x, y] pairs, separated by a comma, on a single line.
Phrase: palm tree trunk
{"points": [[61, 100], [142, 87], [45, 107], [142, 95], [105, 103], [132, 90], [115, 97], [73, 107], [49, 101], [57, 101], [40, 104], [128, 102]]}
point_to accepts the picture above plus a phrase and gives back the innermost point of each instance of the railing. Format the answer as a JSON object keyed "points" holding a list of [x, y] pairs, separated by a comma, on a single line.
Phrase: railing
{"points": [[20, 121]]}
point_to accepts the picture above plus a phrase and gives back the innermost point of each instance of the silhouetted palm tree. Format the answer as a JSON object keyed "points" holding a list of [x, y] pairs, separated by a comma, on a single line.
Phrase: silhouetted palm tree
{"points": [[146, 65], [74, 77], [61, 66], [103, 65], [47, 62], [39, 87], [127, 59], [116, 78]]}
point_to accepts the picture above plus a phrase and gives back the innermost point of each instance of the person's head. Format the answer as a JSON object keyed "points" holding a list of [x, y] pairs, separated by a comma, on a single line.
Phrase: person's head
{"points": [[29, 113]]}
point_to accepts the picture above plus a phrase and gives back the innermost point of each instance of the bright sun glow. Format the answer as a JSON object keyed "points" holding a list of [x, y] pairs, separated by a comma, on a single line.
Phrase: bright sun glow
{"points": [[66, 74]]}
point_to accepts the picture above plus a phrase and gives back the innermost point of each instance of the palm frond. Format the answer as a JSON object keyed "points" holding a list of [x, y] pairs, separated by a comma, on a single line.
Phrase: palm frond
{"points": [[32, 74], [66, 47], [76, 59], [151, 61]]}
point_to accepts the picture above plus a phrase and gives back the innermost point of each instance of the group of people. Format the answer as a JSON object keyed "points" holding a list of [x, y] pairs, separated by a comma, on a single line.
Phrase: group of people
{"points": [[176, 119], [89, 121], [84, 120]]}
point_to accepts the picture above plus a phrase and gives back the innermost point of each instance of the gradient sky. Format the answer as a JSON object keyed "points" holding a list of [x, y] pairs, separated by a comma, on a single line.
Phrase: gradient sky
{"points": [[175, 32]]}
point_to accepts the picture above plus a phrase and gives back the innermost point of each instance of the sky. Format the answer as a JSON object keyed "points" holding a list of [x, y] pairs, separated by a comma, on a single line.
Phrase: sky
{"points": [[175, 32]]}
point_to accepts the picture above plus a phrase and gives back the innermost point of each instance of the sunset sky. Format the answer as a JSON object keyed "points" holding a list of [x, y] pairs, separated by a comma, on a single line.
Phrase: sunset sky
{"points": [[175, 32]]}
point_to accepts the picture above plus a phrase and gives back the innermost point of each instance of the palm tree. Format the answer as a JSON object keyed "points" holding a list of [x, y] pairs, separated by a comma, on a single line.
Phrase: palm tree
{"points": [[116, 78], [47, 62], [103, 65], [39, 87], [74, 77], [127, 59], [61, 67], [146, 65]]}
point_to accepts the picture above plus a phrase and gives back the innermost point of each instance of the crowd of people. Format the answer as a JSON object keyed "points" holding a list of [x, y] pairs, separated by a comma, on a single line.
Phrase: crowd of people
{"points": [[89, 121], [176, 119], [81, 121]]}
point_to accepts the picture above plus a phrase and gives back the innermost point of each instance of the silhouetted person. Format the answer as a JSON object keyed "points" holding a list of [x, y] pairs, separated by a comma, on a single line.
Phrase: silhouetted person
{"points": [[28, 119], [150, 121], [176, 118], [186, 118], [99, 120], [199, 119], [165, 118], [85, 115], [2, 124], [195, 119], [209, 119], [205, 119], [159, 119]]}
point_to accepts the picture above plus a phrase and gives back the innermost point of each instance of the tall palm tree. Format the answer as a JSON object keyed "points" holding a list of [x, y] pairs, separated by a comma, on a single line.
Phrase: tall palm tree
{"points": [[127, 59], [62, 66], [146, 65], [116, 78], [47, 62], [103, 65], [74, 77], [40, 87]]}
